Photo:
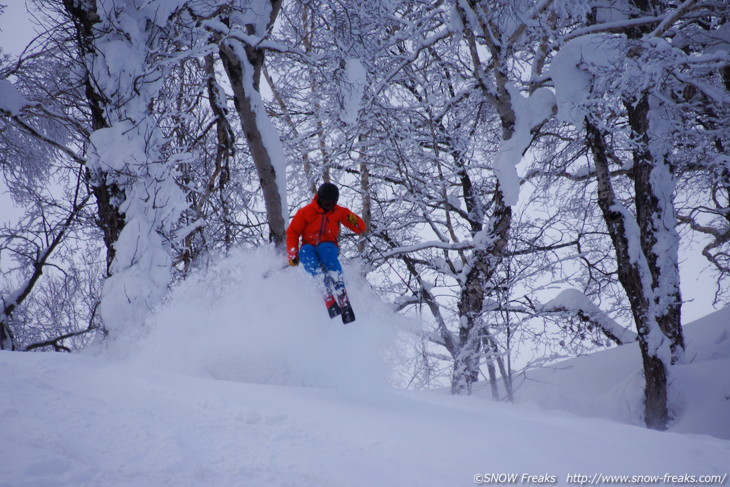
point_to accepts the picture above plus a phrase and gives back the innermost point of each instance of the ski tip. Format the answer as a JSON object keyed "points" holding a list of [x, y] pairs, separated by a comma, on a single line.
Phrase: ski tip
{"points": [[348, 316], [334, 311]]}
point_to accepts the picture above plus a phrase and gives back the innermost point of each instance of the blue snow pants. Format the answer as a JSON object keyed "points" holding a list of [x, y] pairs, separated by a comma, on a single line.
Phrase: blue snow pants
{"points": [[321, 258]]}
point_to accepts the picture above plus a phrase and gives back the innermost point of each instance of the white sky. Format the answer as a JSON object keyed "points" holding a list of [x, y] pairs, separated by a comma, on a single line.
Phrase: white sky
{"points": [[16, 31]]}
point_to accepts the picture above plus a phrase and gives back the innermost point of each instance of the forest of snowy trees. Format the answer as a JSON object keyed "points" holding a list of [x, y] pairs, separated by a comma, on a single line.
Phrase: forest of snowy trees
{"points": [[499, 150]]}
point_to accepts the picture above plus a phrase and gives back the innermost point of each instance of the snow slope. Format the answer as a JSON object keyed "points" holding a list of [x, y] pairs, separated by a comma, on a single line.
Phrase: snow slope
{"points": [[81, 421], [243, 380], [609, 384]]}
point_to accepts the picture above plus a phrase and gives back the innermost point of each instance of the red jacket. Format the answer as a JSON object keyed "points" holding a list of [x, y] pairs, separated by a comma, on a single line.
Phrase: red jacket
{"points": [[314, 226]]}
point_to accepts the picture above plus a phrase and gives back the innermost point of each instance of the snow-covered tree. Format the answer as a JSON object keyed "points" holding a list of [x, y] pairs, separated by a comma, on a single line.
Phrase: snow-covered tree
{"points": [[623, 78], [137, 88], [42, 165], [241, 30], [125, 61]]}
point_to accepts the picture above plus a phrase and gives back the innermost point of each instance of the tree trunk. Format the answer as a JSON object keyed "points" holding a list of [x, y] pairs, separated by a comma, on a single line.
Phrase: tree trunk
{"points": [[491, 242], [654, 188], [238, 68], [7, 339], [491, 344], [484, 262], [367, 211], [659, 243], [243, 64], [108, 196], [638, 271]]}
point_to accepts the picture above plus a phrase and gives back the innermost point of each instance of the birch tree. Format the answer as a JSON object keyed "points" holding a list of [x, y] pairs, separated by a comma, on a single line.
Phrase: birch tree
{"points": [[622, 81], [493, 38], [241, 29]]}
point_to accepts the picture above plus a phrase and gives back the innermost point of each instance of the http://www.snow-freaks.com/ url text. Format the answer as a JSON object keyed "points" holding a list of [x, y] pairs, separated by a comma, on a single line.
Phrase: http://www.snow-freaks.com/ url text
{"points": [[599, 479]]}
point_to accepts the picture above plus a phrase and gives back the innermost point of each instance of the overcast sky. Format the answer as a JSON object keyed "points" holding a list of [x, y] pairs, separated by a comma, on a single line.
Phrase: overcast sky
{"points": [[15, 33], [15, 29]]}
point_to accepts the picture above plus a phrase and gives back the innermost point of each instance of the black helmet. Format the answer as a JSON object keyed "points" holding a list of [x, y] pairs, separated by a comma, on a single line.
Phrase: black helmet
{"points": [[328, 192]]}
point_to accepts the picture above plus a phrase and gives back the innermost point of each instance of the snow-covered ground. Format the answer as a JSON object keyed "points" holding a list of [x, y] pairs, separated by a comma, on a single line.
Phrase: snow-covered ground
{"points": [[242, 380], [608, 384]]}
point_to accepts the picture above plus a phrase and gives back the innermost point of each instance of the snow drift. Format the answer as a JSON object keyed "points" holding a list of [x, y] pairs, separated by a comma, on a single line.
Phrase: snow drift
{"points": [[609, 384]]}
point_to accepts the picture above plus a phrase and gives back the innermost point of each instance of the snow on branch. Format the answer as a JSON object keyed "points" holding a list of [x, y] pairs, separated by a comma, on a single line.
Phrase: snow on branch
{"points": [[530, 112], [257, 41], [11, 100], [671, 18], [578, 304], [420, 47], [664, 22], [353, 88], [617, 26], [428, 245]]}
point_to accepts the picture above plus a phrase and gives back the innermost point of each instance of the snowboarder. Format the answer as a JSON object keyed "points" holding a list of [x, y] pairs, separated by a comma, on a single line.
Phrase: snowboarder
{"points": [[318, 226]]}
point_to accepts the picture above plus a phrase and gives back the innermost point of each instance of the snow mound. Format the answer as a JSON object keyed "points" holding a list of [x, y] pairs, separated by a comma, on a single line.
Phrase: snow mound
{"points": [[247, 319], [702, 383], [610, 384]]}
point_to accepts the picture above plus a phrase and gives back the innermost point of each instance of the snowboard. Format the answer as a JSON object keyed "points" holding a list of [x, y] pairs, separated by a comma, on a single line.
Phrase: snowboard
{"points": [[336, 300]]}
